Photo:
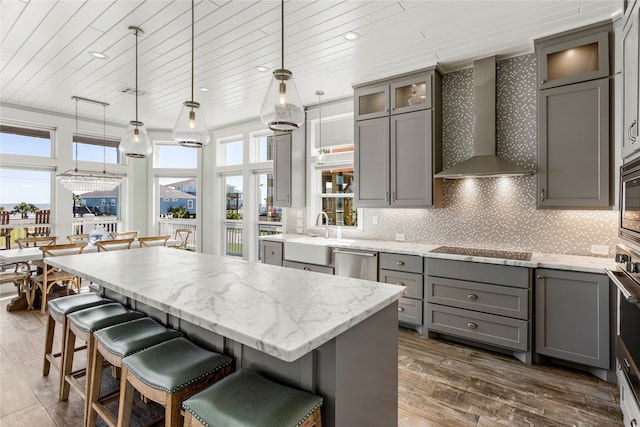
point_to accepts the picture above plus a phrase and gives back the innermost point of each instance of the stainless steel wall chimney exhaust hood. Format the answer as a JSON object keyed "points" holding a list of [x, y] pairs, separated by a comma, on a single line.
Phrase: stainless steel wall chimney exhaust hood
{"points": [[484, 163]]}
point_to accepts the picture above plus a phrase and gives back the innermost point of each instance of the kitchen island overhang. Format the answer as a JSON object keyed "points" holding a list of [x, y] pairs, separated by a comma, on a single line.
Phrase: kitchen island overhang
{"points": [[334, 336]]}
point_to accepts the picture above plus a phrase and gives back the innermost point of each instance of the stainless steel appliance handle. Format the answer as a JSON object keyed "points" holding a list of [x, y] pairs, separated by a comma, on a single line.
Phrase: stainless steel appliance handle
{"points": [[340, 251], [630, 294]]}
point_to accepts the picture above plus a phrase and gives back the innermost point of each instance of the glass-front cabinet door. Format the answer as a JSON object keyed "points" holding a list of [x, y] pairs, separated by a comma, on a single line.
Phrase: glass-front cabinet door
{"points": [[411, 94], [371, 102], [573, 61]]}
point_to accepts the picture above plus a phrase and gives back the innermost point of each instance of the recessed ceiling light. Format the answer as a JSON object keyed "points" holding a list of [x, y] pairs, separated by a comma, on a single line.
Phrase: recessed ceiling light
{"points": [[351, 36], [98, 55], [204, 89], [262, 68]]}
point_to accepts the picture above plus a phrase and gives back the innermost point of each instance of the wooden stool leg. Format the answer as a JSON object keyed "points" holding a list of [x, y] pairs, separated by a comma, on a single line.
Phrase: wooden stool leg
{"points": [[172, 416], [48, 345], [94, 385], [126, 399], [67, 362]]}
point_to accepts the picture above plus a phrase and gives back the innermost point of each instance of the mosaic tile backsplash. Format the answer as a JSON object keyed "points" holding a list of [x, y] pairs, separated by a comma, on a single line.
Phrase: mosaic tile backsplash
{"points": [[496, 213]]}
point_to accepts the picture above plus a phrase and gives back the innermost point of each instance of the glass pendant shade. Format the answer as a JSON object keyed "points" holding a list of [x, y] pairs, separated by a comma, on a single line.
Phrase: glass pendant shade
{"points": [[191, 129], [282, 109], [136, 142]]}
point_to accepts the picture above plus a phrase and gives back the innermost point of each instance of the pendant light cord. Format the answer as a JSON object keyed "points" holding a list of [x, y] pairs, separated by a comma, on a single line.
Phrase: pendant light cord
{"points": [[104, 139], [192, 46], [76, 138], [136, 30], [282, 31]]}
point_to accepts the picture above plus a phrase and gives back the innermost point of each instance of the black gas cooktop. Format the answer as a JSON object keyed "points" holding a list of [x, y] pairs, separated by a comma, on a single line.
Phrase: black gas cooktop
{"points": [[489, 253]]}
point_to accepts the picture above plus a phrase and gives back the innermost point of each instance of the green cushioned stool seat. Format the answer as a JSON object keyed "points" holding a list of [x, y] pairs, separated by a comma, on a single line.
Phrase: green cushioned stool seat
{"points": [[99, 317], [246, 399], [131, 337], [112, 344], [69, 304], [168, 373]]}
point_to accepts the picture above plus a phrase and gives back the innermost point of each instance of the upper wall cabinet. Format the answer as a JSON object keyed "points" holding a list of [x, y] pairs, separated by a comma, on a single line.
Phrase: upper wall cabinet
{"points": [[398, 148], [289, 170], [566, 60], [574, 132], [631, 83]]}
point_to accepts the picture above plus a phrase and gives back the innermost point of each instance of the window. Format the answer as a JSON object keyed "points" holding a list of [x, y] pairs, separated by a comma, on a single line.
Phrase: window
{"points": [[104, 202], [25, 190], [95, 149], [25, 142], [173, 156], [113, 202], [190, 204], [231, 151], [332, 177], [265, 151], [234, 213]]}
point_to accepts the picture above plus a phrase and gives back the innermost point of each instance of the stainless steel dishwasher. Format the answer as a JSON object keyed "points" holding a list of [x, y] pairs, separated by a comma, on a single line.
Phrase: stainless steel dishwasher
{"points": [[358, 264]]}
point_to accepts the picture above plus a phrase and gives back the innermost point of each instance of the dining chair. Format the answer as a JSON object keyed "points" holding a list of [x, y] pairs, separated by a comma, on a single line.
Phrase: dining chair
{"points": [[124, 235], [153, 241], [52, 275], [182, 235], [25, 242], [78, 238], [5, 218], [42, 217], [114, 245], [18, 274]]}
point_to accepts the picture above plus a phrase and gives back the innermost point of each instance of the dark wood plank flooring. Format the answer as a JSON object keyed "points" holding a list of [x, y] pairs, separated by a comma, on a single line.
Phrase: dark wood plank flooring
{"points": [[440, 384]]}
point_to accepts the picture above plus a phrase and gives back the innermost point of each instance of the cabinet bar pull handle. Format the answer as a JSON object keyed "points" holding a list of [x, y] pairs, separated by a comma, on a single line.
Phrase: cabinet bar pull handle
{"points": [[400, 283], [633, 423], [399, 262], [472, 325], [542, 194], [272, 253], [386, 197], [629, 134], [393, 196], [400, 308], [539, 276], [472, 297]]}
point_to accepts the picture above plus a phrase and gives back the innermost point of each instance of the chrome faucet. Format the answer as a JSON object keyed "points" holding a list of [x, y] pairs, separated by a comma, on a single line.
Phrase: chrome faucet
{"points": [[326, 223]]}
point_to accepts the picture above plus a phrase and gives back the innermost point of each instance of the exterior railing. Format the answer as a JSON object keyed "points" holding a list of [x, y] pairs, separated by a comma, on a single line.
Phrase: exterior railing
{"points": [[233, 235], [267, 229], [88, 223]]}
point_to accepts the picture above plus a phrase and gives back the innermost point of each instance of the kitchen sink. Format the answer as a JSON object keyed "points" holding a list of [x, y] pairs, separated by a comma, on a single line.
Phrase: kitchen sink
{"points": [[319, 254]]}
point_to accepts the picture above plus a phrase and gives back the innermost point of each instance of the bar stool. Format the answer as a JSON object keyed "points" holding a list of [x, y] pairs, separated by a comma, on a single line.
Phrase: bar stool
{"points": [[247, 399], [168, 373], [59, 308], [113, 344], [81, 325]]}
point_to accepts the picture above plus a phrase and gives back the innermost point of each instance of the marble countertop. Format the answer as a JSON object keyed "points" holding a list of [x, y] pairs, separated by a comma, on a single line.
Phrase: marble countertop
{"points": [[586, 264], [283, 312]]}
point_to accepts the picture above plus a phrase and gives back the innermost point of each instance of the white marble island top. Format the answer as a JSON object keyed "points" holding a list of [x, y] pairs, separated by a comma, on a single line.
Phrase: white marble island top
{"points": [[581, 263], [283, 312]]}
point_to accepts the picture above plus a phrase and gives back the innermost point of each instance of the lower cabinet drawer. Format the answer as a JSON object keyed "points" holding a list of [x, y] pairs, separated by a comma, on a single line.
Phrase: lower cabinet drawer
{"points": [[308, 267], [410, 311], [493, 299], [412, 281], [487, 328]]}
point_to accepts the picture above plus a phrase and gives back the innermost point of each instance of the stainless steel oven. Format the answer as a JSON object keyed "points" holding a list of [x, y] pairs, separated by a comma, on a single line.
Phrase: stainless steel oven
{"points": [[627, 280], [629, 224]]}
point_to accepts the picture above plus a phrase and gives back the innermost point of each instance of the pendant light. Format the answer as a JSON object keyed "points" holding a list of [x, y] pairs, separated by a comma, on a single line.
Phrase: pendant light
{"points": [[191, 129], [321, 157], [77, 181], [282, 109], [136, 142]]}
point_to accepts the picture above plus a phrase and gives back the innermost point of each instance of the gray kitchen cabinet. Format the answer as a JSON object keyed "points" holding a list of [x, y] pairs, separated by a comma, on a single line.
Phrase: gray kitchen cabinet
{"points": [[488, 305], [399, 148], [371, 162], [271, 252], [574, 131], [308, 267], [631, 83], [573, 146], [573, 317], [405, 270], [289, 169]]}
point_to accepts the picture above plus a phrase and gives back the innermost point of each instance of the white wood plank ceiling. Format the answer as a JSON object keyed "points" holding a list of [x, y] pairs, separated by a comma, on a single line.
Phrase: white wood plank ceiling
{"points": [[44, 56]]}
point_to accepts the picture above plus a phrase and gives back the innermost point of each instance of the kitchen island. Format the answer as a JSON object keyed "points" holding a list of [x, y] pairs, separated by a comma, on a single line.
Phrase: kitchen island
{"points": [[333, 336]]}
